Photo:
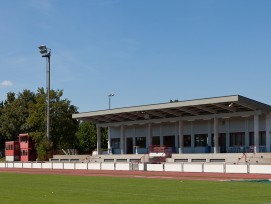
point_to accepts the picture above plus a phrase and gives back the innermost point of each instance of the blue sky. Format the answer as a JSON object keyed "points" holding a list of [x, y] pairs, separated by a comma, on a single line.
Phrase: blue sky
{"points": [[144, 51]]}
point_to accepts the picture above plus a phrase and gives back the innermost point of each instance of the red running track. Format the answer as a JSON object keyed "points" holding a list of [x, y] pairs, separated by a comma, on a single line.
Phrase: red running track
{"points": [[142, 174]]}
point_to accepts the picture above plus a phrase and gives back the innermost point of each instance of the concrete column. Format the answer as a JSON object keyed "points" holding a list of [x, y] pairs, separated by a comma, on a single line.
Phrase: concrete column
{"points": [[161, 136], [268, 132], [246, 132], [209, 141], [99, 150], [192, 137], [256, 133], [180, 136], [149, 135], [227, 133], [109, 141], [122, 140], [216, 135]]}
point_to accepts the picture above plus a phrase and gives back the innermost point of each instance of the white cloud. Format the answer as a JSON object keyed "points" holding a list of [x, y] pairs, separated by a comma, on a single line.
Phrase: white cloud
{"points": [[6, 83]]}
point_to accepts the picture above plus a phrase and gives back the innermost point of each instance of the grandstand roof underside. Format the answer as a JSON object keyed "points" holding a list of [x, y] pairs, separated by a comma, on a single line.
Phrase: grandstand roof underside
{"points": [[181, 109]]}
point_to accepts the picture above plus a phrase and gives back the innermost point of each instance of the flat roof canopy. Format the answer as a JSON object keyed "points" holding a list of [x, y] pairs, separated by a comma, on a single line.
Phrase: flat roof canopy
{"points": [[198, 107]]}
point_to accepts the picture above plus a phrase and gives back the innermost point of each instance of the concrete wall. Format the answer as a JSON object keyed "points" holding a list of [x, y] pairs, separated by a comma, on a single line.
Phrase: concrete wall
{"points": [[169, 167]]}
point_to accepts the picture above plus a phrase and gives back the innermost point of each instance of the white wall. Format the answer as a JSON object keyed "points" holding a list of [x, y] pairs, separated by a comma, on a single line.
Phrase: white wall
{"points": [[81, 166], [174, 167], [169, 167], [27, 165], [94, 166], [260, 169], [192, 167], [236, 168], [107, 166], [155, 167], [18, 165], [213, 168], [37, 165], [123, 166]]}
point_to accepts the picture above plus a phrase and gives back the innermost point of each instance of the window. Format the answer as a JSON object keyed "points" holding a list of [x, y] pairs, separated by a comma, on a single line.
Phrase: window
{"points": [[187, 140], [201, 140], [251, 139], [24, 152], [237, 139], [115, 143], [262, 138], [9, 147], [141, 142]]}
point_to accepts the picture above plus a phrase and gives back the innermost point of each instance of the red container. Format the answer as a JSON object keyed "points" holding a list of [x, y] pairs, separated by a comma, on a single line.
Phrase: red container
{"points": [[27, 147], [12, 151]]}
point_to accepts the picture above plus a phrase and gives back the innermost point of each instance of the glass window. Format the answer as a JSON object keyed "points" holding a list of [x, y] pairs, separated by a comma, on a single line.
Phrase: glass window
{"points": [[201, 140], [251, 139], [187, 140], [141, 142], [262, 138], [237, 139], [115, 143]]}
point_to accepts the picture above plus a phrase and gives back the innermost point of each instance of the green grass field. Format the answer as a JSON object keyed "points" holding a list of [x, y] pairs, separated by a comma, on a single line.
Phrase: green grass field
{"points": [[26, 188]]}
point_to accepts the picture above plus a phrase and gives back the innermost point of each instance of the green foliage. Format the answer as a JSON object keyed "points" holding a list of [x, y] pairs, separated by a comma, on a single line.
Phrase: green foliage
{"points": [[25, 113], [87, 137], [14, 114], [43, 149]]}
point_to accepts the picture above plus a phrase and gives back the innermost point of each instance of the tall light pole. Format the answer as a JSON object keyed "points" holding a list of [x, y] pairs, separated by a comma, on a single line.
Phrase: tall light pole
{"points": [[46, 52], [109, 98]]}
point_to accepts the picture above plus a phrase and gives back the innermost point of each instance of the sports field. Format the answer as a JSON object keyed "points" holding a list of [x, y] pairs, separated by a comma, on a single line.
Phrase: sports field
{"points": [[47, 188]]}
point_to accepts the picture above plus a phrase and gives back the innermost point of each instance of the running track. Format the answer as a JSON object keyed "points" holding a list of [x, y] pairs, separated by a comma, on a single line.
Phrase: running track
{"points": [[142, 174]]}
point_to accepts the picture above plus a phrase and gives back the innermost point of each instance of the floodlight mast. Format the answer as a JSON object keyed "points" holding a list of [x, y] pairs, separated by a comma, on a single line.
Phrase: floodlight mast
{"points": [[46, 52]]}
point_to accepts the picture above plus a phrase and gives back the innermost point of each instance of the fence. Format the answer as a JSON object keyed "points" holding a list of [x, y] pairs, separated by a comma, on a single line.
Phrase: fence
{"points": [[173, 167]]}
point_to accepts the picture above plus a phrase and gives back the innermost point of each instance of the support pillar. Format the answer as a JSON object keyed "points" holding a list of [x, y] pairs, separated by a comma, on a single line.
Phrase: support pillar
{"points": [[180, 136], [122, 140], [216, 135], [256, 133], [246, 132], [227, 134], [192, 137], [268, 132], [109, 141], [149, 135], [98, 140]]}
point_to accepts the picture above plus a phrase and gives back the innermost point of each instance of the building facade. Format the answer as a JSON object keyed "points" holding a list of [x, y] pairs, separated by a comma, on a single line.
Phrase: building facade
{"points": [[230, 124]]}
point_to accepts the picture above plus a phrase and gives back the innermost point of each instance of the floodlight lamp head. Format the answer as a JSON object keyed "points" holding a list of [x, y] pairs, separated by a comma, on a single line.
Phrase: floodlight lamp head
{"points": [[42, 47], [111, 94], [44, 51]]}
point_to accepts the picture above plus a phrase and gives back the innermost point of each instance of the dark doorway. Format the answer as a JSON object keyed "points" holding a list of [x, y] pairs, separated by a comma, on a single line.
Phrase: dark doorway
{"points": [[169, 141], [129, 145], [222, 142], [156, 140]]}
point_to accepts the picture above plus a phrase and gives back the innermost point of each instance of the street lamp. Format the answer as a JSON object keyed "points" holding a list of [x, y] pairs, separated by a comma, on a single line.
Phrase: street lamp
{"points": [[109, 98], [46, 52]]}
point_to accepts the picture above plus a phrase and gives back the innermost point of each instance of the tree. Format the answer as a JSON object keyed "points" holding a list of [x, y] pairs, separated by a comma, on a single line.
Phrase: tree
{"points": [[25, 113], [87, 137], [14, 114], [62, 126]]}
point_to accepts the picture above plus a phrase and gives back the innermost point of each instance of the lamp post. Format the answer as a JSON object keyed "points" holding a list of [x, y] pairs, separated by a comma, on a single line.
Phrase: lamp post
{"points": [[109, 98], [46, 52]]}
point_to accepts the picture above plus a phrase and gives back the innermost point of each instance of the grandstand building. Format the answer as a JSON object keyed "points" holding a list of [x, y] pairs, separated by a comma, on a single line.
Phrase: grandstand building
{"points": [[229, 124]]}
